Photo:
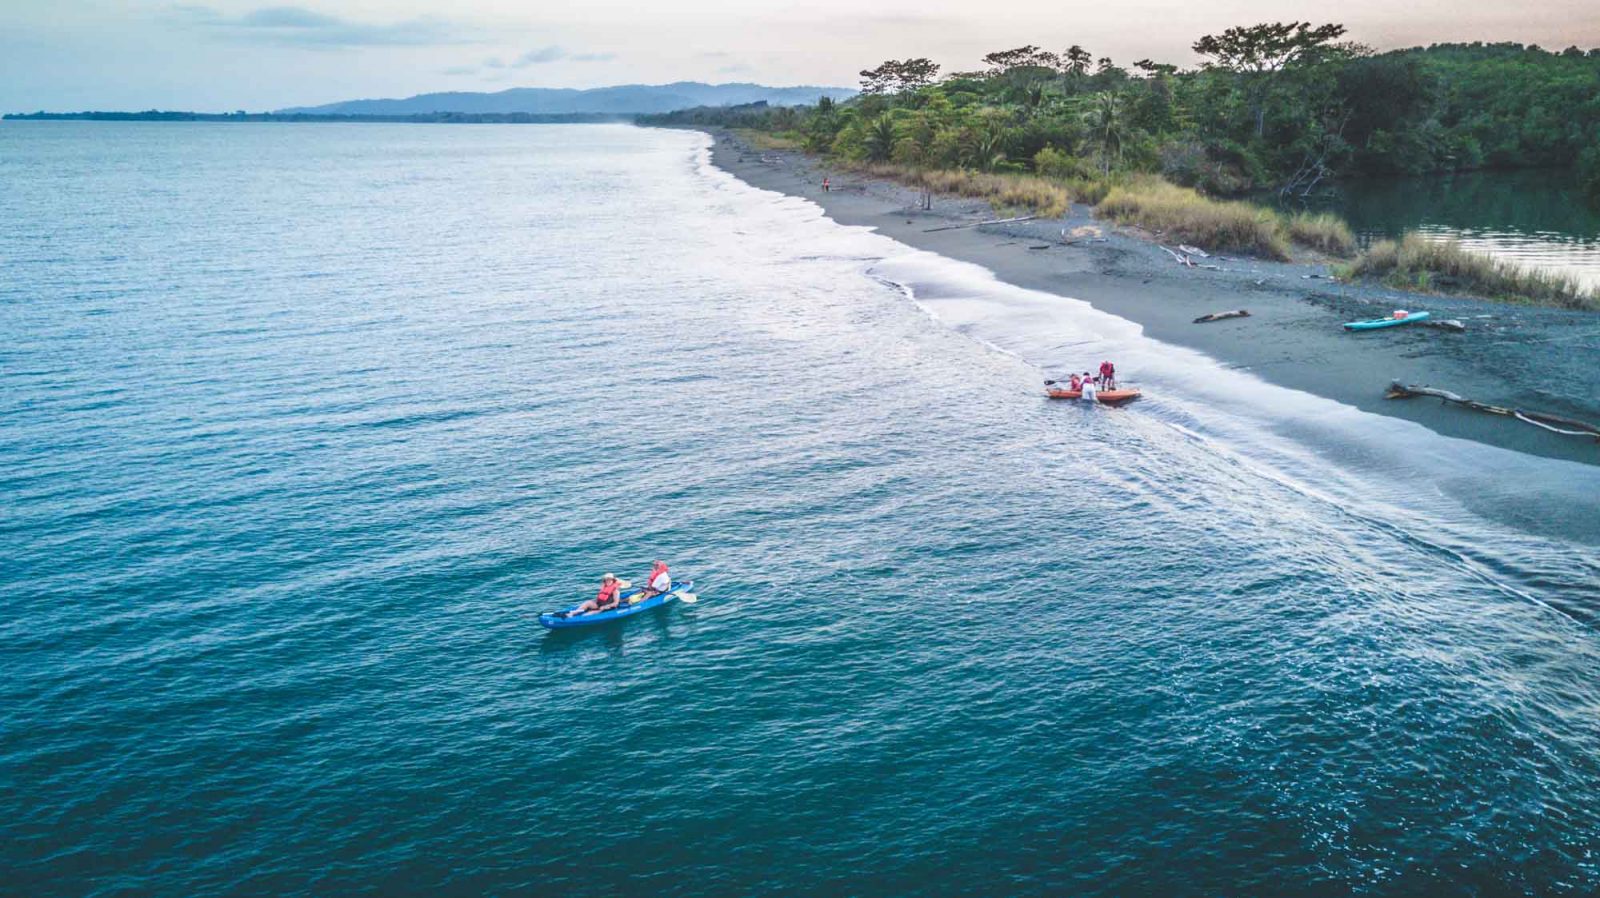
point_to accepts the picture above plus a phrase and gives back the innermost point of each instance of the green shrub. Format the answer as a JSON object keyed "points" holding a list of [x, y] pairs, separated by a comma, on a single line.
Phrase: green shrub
{"points": [[1053, 163]]}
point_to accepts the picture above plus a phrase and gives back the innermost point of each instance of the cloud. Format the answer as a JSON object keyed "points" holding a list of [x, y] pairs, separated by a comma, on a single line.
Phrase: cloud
{"points": [[460, 70], [551, 53], [737, 68], [301, 27], [554, 53]]}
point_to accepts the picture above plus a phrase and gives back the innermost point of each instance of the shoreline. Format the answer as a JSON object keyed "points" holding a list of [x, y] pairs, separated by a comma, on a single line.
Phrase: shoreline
{"points": [[1293, 336]]}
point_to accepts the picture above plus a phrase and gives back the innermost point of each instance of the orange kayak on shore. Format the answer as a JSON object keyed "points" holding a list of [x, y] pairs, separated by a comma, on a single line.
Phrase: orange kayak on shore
{"points": [[1109, 397]]}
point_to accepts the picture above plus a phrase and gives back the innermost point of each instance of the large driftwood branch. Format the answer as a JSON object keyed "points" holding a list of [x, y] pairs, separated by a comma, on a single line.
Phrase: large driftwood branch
{"points": [[1179, 258], [1552, 423], [979, 224]]}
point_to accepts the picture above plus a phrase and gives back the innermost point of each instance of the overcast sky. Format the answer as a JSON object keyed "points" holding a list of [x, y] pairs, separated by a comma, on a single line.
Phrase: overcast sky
{"points": [[216, 55]]}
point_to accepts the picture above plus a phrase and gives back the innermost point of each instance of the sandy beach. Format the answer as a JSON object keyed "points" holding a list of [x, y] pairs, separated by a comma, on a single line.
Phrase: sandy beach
{"points": [[1517, 356]]}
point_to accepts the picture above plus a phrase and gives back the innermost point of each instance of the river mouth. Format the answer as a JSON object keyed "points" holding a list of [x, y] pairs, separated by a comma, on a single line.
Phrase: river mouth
{"points": [[1536, 218]]}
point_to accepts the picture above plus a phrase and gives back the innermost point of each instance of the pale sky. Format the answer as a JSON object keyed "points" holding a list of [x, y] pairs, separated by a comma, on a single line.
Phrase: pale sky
{"points": [[220, 55]]}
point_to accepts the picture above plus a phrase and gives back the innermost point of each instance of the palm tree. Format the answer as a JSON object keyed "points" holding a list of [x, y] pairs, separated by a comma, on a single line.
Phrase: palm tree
{"points": [[989, 150], [879, 139], [1106, 127]]}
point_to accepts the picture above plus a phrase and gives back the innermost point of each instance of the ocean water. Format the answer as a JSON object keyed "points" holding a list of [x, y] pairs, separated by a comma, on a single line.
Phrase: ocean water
{"points": [[301, 426]]}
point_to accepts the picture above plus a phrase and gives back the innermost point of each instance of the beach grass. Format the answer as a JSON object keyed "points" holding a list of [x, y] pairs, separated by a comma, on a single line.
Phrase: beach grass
{"points": [[1445, 266], [1322, 231], [1183, 215], [1004, 190], [767, 140], [1178, 214]]}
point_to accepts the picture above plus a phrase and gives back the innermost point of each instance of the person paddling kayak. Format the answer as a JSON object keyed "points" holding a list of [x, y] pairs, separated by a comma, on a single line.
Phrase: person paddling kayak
{"points": [[658, 582], [605, 600]]}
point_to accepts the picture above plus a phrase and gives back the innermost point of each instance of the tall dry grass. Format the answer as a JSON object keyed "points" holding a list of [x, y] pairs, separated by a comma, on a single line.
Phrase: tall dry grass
{"points": [[766, 140], [1040, 196], [1445, 266], [1323, 232], [1184, 216], [1177, 213]]}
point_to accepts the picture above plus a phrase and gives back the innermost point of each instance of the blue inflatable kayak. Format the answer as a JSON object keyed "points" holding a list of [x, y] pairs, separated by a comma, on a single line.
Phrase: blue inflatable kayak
{"points": [[1376, 323], [559, 620]]}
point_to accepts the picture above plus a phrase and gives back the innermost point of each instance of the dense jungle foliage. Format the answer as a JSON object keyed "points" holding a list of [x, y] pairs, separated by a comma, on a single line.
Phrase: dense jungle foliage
{"points": [[1286, 107]]}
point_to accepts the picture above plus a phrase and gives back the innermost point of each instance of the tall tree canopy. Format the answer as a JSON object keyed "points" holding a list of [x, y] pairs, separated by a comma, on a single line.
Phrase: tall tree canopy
{"points": [[896, 75], [1285, 106], [1258, 49]]}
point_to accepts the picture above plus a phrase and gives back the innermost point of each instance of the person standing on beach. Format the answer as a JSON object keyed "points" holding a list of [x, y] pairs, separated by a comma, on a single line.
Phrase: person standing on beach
{"points": [[825, 186]]}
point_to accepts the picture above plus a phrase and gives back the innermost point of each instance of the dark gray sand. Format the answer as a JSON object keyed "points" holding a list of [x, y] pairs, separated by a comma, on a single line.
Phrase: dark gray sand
{"points": [[1516, 356]]}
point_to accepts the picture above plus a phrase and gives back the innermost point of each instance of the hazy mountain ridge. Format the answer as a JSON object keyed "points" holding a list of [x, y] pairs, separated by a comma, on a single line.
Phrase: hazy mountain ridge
{"points": [[619, 100]]}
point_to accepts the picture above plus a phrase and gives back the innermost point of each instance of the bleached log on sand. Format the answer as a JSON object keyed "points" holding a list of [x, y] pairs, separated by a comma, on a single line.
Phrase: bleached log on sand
{"points": [[979, 224], [1553, 423]]}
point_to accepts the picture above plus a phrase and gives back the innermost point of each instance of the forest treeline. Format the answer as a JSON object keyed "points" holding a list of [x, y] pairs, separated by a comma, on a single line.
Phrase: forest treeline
{"points": [[1286, 107]]}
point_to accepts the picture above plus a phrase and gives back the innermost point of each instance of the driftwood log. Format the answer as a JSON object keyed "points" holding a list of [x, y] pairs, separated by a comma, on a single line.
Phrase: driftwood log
{"points": [[1221, 316], [979, 224], [1553, 423], [1178, 257]]}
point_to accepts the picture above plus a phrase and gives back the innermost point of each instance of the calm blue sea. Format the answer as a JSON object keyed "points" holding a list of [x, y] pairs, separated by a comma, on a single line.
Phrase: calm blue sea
{"points": [[302, 425]]}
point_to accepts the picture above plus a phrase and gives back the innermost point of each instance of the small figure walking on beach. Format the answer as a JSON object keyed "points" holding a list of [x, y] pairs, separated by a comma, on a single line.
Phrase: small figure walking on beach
{"points": [[825, 185]]}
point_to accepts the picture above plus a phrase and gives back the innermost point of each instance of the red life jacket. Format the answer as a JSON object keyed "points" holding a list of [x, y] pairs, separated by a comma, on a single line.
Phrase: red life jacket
{"points": [[1107, 369], [655, 572], [608, 592]]}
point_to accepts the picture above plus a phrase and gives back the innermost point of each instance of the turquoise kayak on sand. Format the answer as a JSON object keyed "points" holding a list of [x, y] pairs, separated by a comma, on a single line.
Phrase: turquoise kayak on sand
{"points": [[1376, 323]]}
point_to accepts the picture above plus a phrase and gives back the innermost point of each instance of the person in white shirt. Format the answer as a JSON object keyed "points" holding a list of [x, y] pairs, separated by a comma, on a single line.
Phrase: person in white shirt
{"points": [[659, 581], [1088, 388]]}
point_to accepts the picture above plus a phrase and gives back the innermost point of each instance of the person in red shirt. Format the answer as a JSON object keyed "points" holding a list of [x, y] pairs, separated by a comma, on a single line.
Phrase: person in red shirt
{"points": [[1108, 376], [606, 600]]}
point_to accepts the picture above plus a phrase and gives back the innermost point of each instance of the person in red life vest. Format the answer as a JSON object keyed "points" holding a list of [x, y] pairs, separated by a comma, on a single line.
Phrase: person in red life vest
{"points": [[826, 186], [658, 582], [606, 600], [1075, 384], [1108, 376]]}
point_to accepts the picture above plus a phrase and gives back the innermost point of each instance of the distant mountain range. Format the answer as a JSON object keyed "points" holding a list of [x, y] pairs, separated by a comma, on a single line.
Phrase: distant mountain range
{"points": [[627, 99]]}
